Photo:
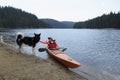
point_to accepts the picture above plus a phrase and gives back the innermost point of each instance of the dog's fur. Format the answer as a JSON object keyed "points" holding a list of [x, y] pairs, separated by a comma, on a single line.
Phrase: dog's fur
{"points": [[30, 41]]}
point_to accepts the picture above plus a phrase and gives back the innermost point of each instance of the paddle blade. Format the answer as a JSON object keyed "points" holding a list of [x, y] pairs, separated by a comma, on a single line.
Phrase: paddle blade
{"points": [[64, 49], [41, 49]]}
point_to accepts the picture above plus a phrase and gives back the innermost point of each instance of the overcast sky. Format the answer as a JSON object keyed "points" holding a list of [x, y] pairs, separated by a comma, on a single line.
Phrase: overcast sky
{"points": [[65, 10]]}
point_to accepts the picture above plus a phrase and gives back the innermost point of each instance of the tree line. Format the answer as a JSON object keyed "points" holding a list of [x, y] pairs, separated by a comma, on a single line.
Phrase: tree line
{"points": [[16, 18], [111, 20]]}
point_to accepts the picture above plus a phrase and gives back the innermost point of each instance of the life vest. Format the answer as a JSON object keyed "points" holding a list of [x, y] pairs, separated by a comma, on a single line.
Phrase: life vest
{"points": [[52, 45]]}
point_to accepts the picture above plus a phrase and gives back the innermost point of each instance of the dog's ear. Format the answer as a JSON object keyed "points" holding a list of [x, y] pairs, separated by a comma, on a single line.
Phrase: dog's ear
{"points": [[35, 34], [40, 34]]}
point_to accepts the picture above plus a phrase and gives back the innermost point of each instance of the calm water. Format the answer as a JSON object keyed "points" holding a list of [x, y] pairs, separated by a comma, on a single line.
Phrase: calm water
{"points": [[97, 50]]}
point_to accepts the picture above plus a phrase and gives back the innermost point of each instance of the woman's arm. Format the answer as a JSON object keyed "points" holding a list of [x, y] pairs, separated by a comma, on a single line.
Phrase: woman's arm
{"points": [[44, 42]]}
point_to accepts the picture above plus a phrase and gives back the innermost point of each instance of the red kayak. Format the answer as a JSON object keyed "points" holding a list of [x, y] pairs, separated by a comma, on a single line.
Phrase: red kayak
{"points": [[63, 58]]}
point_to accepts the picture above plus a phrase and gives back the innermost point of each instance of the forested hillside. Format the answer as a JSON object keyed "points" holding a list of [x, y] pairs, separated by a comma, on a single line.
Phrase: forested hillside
{"points": [[58, 24], [16, 18], [111, 20]]}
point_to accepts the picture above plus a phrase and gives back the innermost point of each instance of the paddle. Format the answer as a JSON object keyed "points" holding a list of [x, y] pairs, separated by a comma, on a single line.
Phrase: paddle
{"points": [[64, 49], [44, 49]]}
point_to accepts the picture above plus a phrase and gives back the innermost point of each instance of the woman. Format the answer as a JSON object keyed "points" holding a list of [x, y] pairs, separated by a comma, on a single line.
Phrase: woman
{"points": [[51, 44]]}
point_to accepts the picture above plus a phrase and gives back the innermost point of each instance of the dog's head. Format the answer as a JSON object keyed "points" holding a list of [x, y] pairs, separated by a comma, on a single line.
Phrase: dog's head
{"points": [[37, 37]]}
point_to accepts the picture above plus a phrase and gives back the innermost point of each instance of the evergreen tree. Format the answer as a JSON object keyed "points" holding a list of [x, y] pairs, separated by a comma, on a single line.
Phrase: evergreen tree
{"points": [[112, 20], [16, 18]]}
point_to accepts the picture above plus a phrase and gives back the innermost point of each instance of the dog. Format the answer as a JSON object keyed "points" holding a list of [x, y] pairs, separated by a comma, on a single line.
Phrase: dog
{"points": [[30, 41]]}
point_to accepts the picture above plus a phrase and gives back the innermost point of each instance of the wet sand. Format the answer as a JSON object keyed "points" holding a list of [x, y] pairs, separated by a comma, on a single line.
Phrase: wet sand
{"points": [[17, 66]]}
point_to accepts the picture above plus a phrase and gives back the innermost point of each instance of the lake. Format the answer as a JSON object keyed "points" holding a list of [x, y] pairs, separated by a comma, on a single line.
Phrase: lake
{"points": [[98, 50]]}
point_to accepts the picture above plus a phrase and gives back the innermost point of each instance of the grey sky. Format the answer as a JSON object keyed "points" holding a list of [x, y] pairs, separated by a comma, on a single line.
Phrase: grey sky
{"points": [[65, 10]]}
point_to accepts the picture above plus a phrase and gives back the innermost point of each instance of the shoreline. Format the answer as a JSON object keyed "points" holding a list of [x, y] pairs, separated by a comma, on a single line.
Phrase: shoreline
{"points": [[18, 66]]}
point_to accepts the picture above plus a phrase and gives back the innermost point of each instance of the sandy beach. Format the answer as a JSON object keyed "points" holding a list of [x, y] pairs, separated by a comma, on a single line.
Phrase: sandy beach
{"points": [[17, 66]]}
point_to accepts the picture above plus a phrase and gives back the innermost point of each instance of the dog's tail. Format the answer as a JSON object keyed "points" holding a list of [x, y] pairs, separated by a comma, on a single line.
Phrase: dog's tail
{"points": [[19, 36]]}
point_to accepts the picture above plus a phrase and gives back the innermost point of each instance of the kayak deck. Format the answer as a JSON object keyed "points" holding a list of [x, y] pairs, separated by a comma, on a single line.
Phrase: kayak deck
{"points": [[63, 58]]}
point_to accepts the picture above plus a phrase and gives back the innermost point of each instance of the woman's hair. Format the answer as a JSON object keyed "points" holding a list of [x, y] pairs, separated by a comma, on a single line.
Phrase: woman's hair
{"points": [[50, 38]]}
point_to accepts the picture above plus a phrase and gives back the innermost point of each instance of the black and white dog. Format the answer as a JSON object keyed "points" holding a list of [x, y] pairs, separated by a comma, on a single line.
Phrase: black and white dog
{"points": [[30, 41]]}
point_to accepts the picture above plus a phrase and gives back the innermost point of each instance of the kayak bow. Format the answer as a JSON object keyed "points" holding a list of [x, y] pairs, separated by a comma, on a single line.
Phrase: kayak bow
{"points": [[63, 58]]}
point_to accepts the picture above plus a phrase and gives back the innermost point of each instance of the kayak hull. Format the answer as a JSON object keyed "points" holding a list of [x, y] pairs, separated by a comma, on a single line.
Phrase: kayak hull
{"points": [[63, 58]]}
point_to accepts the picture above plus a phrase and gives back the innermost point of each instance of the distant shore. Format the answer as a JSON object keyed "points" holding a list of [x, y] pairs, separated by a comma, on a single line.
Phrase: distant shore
{"points": [[17, 66]]}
